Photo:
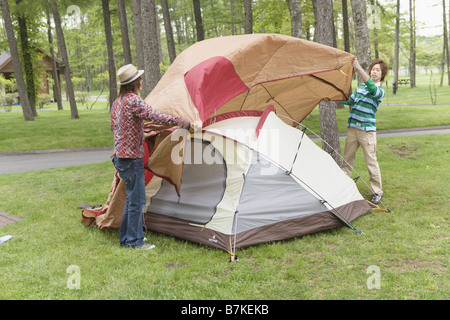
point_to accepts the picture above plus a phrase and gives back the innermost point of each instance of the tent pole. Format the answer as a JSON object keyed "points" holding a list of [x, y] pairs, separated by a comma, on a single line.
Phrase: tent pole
{"points": [[342, 158], [332, 211]]}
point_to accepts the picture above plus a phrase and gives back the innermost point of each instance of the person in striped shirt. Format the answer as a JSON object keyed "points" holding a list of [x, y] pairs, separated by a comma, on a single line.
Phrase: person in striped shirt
{"points": [[361, 124]]}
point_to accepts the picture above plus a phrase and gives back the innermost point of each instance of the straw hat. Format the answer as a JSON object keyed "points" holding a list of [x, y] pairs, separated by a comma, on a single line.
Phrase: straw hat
{"points": [[128, 73]]}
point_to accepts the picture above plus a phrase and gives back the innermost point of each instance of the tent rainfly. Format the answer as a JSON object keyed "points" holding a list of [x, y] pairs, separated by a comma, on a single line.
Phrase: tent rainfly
{"points": [[244, 174]]}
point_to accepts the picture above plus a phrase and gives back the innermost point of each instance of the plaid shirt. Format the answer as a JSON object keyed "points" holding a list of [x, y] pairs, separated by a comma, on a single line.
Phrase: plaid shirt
{"points": [[127, 124]]}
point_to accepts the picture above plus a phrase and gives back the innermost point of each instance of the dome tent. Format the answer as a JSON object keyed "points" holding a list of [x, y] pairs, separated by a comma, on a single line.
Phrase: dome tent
{"points": [[245, 175]]}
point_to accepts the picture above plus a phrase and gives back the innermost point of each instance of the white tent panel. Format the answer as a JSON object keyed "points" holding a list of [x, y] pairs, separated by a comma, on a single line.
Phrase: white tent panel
{"points": [[241, 129], [237, 159], [313, 168], [278, 142], [317, 169]]}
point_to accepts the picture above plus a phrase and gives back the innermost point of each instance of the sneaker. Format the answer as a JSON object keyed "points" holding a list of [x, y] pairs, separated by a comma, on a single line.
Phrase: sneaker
{"points": [[376, 198], [147, 246]]}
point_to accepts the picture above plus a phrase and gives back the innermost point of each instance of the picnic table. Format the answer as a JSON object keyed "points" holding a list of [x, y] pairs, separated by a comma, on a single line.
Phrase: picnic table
{"points": [[403, 81]]}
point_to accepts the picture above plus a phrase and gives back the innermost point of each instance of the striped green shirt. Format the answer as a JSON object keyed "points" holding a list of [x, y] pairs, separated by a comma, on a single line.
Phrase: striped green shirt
{"points": [[364, 101]]}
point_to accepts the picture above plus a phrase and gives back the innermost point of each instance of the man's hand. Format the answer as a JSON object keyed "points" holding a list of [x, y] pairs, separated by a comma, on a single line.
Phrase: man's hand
{"points": [[364, 76], [356, 64]]}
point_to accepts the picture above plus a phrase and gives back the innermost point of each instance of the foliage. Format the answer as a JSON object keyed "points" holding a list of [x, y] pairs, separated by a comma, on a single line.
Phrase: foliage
{"points": [[85, 39], [273, 16], [44, 99], [82, 97], [100, 81], [7, 100], [79, 82], [35, 40], [8, 85], [429, 53]]}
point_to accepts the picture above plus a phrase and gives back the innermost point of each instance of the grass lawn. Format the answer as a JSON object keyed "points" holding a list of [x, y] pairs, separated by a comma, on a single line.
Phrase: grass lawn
{"points": [[422, 94], [55, 130], [410, 246]]}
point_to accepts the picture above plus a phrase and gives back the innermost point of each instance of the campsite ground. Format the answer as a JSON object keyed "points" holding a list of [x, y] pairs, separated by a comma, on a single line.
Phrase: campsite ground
{"points": [[402, 255]]}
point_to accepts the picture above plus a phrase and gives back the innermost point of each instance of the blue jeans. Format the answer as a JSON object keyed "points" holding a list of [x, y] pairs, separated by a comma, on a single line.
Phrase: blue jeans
{"points": [[131, 171]]}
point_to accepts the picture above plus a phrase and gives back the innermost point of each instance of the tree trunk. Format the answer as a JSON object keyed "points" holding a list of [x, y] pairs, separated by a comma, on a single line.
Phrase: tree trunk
{"points": [[375, 33], [248, 17], [27, 60], [56, 85], [412, 43], [295, 10], [327, 109], [397, 44], [65, 58], [158, 34], [177, 20], [446, 44], [85, 51], [27, 113], [168, 29], [124, 30], [362, 42], [345, 26], [136, 7], [213, 10], [150, 46], [198, 20], [110, 50], [375, 43], [233, 28], [184, 19], [346, 35]]}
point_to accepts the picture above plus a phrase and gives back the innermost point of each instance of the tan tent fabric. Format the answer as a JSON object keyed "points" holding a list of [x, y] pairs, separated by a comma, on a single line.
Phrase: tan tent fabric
{"points": [[257, 60], [161, 162], [291, 74], [110, 214]]}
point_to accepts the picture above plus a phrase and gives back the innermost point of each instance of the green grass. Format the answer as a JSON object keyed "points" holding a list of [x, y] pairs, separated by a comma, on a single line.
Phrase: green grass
{"points": [[421, 94], [410, 246], [55, 130], [391, 117]]}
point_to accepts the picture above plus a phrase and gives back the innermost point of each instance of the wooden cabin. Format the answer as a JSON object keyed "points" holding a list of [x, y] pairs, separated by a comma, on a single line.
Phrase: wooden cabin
{"points": [[45, 65]]}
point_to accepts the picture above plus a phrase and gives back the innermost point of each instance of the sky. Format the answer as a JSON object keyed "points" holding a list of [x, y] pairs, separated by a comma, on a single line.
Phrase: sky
{"points": [[428, 12]]}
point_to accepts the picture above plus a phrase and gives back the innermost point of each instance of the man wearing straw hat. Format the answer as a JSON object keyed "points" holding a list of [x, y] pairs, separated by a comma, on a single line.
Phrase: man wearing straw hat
{"points": [[127, 121]]}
